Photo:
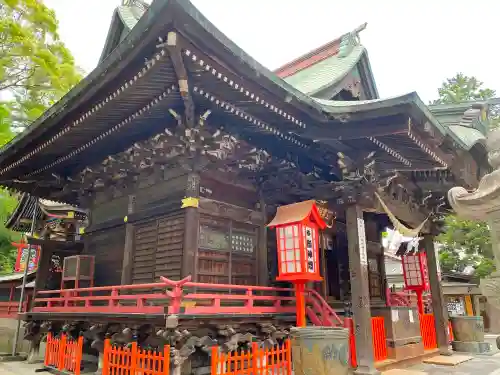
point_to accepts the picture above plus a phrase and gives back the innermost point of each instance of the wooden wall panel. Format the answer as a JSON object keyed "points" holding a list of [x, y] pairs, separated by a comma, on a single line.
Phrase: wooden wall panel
{"points": [[145, 243], [170, 245], [161, 192], [158, 248], [104, 210], [107, 247]]}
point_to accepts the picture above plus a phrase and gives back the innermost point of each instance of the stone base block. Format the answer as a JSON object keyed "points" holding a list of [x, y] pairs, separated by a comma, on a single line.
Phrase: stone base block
{"points": [[405, 351], [397, 371], [6, 357], [447, 360], [471, 346]]}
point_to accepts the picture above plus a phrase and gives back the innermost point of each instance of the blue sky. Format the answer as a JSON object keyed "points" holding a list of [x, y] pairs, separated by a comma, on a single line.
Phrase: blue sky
{"points": [[412, 45]]}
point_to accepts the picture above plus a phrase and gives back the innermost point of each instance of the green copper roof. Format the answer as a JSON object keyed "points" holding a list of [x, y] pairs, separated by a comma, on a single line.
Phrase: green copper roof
{"points": [[466, 136], [125, 17], [326, 73], [130, 15], [465, 122], [359, 108]]}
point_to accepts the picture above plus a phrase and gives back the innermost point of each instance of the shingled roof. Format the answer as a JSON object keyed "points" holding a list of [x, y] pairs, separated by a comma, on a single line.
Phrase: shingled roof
{"points": [[125, 17], [322, 71], [466, 122]]}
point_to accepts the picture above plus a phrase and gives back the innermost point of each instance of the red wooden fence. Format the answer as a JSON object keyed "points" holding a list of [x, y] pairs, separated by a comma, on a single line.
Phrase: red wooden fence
{"points": [[428, 331], [349, 324], [450, 332], [64, 354], [379, 339], [256, 361], [134, 360]]}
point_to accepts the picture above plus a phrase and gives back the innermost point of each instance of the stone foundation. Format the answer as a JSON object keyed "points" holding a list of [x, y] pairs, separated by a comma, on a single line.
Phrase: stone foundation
{"points": [[406, 351], [402, 327], [471, 347], [7, 332]]}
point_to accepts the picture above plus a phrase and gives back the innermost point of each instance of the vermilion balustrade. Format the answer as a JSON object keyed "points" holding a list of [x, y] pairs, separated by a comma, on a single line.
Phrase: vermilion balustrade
{"points": [[184, 297], [9, 309]]}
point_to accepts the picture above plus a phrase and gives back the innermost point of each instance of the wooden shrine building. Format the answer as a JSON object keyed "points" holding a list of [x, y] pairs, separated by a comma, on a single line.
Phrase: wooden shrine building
{"points": [[181, 147]]}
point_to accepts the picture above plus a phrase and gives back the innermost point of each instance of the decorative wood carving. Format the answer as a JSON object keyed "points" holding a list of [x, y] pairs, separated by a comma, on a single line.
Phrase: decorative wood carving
{"points": [[221, 209]]}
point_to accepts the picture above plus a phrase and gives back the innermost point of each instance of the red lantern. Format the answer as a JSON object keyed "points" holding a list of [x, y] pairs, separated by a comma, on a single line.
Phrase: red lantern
{"points": [[416, 275], [297, 235]]}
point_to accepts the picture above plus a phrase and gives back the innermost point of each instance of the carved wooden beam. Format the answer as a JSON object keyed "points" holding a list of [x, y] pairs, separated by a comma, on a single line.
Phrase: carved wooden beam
{"points": [[175, 53]]}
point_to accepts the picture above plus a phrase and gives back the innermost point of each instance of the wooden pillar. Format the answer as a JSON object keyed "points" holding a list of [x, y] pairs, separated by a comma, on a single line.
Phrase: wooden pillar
{"points": [[262, 266], [42, 272], [439, 307], [360, 293], [191, 227], [128, 252], [477, 305]]}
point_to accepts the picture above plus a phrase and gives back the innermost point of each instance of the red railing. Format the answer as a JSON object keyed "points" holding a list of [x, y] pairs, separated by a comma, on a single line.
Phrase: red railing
{"points": [[404, 299], [320, 312], [9, 309], [428, 331], [379, 339], [450, 332], [183, 297]]}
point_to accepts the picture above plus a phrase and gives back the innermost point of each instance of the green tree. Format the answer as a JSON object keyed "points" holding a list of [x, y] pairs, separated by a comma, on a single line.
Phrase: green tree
{"points": [[466, 242], [462, 88], [36, 70]]}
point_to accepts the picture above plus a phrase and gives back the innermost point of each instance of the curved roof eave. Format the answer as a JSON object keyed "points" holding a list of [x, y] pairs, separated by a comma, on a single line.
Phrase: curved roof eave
{"points": [[379, 106], [155, 20], [466, 137]]}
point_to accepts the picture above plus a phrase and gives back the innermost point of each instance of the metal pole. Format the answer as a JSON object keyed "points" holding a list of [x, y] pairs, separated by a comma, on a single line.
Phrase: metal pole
{"points": [[23, 285]]}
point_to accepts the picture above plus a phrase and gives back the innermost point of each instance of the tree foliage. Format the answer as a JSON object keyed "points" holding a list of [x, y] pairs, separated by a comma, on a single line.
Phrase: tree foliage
{"points": [[466, 243], [462, 88], [36, 70]]}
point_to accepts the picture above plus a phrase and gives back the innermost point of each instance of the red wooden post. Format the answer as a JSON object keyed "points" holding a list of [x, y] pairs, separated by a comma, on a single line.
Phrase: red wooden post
{"points": [[62, 351], [166, 360], [301, 304], [133, 358], [78, 355], [420, 301], [215, 360], [105, 357]]}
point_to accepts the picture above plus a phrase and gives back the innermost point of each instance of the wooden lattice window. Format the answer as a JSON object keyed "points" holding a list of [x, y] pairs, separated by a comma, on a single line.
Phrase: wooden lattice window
{"points": [[227, 252]]}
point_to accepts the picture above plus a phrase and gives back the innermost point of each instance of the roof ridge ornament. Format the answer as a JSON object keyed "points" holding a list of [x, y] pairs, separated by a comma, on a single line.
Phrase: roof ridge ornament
{"points": [[350, 40]]}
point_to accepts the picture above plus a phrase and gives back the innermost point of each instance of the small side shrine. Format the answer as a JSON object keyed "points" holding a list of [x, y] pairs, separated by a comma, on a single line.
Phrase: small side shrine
{"points": [[52, 231]]}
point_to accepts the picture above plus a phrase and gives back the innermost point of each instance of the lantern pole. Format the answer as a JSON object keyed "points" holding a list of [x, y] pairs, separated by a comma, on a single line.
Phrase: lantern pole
{"points": [[300, 303], [420, 301]]}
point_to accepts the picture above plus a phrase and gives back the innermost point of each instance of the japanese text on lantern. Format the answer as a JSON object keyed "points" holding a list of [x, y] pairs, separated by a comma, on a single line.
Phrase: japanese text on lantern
{"points": [[309, 237]]}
